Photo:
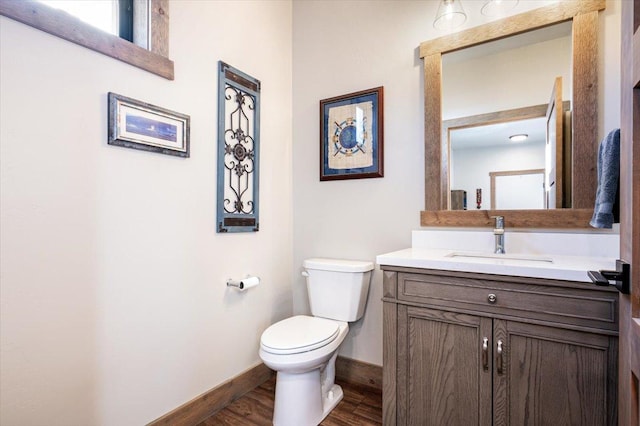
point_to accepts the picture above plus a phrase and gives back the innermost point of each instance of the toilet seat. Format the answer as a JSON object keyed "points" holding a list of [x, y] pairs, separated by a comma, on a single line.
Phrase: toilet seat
{"points": [[299, 334]]}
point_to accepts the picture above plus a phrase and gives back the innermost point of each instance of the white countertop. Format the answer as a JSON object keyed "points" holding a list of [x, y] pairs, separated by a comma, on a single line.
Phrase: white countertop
{"points": [[561, 267]]}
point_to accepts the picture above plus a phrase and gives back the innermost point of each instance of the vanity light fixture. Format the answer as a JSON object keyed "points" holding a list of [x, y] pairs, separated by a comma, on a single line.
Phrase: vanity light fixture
{"points": [[450, 15], [518, 138], [498, 7]]}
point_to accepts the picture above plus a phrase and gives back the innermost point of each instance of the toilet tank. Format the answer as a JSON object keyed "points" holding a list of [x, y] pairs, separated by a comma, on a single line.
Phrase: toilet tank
{"points": [[338, 288]]}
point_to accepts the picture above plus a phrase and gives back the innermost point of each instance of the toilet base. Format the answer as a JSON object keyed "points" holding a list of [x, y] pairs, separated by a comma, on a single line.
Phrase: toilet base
{"points": [[331, 399], [299, 401]]}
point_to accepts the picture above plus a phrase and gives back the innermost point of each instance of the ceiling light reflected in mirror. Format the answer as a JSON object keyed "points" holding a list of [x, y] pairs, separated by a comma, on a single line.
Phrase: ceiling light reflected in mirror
{"points": [[482, 136], [518, 138]]}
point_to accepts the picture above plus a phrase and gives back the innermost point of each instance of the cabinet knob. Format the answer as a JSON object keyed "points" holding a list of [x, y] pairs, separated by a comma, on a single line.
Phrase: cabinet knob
{"points": [[492, 298]]}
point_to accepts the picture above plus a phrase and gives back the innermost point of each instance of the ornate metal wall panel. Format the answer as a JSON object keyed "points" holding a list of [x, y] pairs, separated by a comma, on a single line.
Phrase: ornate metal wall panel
{"points": [[238, 150]]}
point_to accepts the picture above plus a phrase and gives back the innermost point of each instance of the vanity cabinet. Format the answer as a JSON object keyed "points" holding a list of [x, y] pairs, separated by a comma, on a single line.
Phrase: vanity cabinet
{"points": [[465, 348]]}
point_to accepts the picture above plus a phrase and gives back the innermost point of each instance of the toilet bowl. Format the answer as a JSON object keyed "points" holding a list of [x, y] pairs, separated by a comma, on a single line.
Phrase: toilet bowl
{"points": [[303, 349], [305, 388]]}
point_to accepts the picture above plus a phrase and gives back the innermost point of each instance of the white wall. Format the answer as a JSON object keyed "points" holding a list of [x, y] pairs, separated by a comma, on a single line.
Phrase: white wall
{"points": [[338, 50], [609, 69], [357, 45], [114, 308]]}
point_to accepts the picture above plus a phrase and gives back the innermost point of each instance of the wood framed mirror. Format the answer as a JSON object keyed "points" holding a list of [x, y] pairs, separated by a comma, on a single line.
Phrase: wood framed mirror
{"points": [[584, 17]]}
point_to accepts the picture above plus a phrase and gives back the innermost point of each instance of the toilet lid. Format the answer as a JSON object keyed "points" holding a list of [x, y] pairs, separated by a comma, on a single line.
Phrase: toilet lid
{"points": [[299, 334]]}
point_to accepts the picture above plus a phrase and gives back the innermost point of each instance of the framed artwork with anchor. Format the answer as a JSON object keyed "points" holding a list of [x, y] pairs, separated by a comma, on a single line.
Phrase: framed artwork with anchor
{"points": [[351, 135]]}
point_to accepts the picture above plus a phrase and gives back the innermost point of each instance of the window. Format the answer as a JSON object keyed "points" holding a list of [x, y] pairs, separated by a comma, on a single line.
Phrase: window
{"points": [[132, 31], [98, 13]]}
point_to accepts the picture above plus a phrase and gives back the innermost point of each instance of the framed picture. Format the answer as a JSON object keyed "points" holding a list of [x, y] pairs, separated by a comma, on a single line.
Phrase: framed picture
{"points": [[351, 135], [138, 125]]}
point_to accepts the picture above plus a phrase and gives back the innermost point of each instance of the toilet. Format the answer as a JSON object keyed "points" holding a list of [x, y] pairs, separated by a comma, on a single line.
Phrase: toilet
{"points": [[303, 349]]}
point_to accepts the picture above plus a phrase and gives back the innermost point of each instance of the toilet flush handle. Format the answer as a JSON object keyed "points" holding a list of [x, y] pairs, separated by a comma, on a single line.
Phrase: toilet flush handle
{"points": [[305, 274]]}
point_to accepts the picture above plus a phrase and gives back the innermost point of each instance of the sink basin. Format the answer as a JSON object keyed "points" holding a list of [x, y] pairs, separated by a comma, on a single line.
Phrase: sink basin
{"points": [[494, 256]]}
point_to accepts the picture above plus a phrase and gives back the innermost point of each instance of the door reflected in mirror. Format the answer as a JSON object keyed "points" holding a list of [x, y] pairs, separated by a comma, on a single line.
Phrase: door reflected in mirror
{"points": [[518, 190]]}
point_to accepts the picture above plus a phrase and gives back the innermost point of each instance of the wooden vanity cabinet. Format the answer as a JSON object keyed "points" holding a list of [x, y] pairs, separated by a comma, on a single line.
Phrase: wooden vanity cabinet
{"points": [[478, 349]]}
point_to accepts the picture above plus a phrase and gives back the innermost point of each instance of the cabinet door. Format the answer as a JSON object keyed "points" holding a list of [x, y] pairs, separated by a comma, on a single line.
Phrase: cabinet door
{"points": [[551, 376], [443, 378]]}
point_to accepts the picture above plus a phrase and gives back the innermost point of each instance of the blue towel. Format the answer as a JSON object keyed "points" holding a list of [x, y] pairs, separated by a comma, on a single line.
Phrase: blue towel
{"points": [[608, 176]]}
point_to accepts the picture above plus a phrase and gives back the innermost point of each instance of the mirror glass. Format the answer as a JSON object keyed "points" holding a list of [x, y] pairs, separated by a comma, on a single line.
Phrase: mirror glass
{"points": [[495, 172], [508, 74]]}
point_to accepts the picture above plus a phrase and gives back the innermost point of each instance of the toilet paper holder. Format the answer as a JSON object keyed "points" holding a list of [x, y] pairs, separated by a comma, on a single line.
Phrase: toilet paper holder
{"points": [[244, 283]]}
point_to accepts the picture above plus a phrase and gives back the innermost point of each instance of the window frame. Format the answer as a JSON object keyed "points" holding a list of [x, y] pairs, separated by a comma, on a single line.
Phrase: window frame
{"points": [[153, 33]]}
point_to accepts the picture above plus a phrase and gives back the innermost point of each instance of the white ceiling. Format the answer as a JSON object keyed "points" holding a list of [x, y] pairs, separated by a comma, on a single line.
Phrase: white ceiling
{"points": [[498, 134]]}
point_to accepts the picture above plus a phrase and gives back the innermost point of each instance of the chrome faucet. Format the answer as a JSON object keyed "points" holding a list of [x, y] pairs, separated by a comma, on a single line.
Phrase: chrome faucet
{"points": [[498, 231]]}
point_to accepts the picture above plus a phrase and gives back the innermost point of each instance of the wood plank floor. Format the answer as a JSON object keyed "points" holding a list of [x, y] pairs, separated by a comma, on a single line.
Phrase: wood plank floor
{"points": [[359, 407]]}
